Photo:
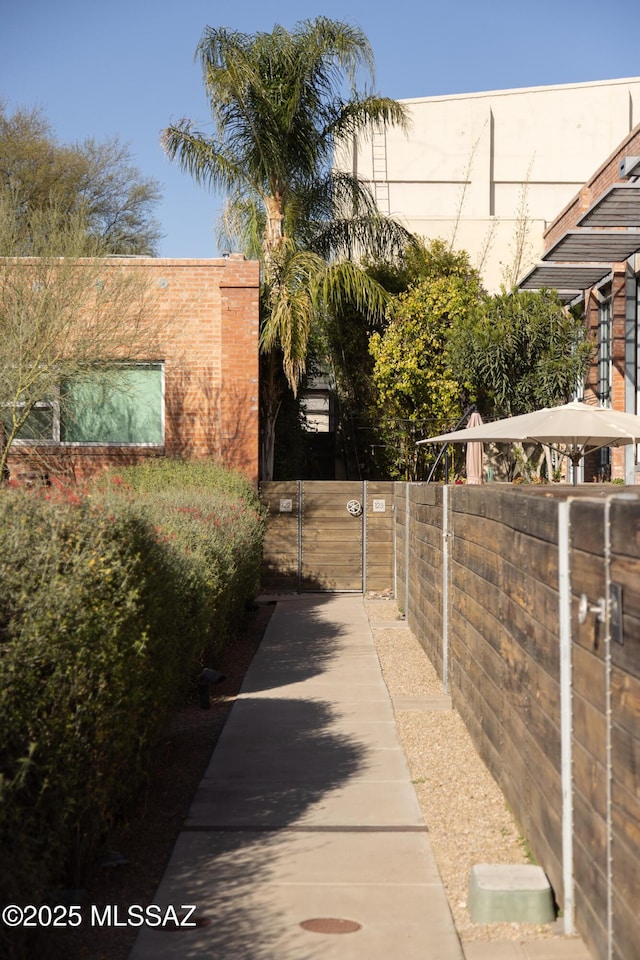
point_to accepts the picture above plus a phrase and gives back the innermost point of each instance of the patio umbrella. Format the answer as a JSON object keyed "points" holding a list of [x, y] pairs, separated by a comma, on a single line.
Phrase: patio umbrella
{"points": [[572, 429], [475, 452]]}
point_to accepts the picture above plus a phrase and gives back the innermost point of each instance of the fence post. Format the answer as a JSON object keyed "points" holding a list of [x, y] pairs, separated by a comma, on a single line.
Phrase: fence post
{"points": [[609, 710], [445, 588], [299, 536], [364, 537], [407, 517], [566, 708]]}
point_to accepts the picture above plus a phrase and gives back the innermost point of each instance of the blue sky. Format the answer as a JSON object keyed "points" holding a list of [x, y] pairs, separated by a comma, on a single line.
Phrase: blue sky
{"points": [[126, 68]]}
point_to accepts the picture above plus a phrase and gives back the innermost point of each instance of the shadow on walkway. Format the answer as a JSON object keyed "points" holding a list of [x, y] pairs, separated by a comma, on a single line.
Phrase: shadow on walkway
{"points": [[306, 811]]}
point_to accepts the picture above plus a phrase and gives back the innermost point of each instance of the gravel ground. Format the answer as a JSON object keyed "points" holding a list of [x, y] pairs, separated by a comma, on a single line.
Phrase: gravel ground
{"points": [[466, 813]]}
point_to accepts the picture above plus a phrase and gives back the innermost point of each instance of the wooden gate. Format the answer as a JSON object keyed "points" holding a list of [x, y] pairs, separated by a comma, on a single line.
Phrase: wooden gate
{"points": [[328, 535]]}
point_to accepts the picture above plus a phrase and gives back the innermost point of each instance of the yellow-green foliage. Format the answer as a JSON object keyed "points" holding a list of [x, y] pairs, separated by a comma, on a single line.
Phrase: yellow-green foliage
{"points": [[411, 372], [417, 391]]}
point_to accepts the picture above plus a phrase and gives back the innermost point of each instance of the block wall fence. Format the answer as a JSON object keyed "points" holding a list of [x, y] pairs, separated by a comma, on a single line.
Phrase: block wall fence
{"points": [[527, 601], [208, 314]]}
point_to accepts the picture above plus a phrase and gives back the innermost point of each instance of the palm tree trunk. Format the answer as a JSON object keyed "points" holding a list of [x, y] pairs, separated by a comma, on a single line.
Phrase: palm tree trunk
{"points": [[267, 448], [274, 229], [270, 402]]}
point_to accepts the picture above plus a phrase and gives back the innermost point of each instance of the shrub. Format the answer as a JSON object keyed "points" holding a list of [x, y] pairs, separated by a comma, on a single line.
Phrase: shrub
{"points": [[155, 476], [212, 517], [98, 625], [109, 602]]}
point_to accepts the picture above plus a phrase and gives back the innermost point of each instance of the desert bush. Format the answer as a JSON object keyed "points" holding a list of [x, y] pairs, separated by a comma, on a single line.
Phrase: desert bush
{"points": [[99, 622], [163, 474], [212, 516], [109, 602]]}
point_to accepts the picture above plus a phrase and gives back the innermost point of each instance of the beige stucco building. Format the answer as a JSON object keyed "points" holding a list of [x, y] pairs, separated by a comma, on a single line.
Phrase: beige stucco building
{"points": [[488, 172]]}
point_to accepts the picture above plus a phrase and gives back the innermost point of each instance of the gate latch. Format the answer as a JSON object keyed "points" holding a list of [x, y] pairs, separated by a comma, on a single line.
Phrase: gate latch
{"points": [[584, 609], [354, 507]]}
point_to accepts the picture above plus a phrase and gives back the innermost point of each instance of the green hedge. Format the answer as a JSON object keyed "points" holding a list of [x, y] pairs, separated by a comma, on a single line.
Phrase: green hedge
{"points": [[109, 603], [185, 499]]}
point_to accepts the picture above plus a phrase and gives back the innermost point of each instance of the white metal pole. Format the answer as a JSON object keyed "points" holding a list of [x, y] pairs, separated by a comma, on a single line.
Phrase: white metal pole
{"points": [[445, 588], [407, 517], [566, 732], [364, 536]]}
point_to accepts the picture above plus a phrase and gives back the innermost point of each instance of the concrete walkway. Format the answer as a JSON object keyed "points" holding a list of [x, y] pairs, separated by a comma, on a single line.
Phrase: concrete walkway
{"points": [[307, 812], [305, 839]]}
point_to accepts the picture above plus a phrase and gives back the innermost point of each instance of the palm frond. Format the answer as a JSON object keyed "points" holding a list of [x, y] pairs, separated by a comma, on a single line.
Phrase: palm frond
{"points": [[345, 283], [361, 238], [209, 163], [290, 308], [240, 226], [333, 49], [362, 114]]}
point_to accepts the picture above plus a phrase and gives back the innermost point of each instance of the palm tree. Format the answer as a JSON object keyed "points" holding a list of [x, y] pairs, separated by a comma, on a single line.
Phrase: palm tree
{"points": [[278, 112]]}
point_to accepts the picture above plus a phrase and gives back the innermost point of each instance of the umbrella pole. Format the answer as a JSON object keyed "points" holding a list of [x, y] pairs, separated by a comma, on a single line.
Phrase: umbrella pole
{"points": [[575, 463]]}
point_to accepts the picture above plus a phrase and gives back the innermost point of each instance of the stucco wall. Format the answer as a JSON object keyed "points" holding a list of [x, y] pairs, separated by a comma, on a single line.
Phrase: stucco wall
{"points": [[472, 164]]}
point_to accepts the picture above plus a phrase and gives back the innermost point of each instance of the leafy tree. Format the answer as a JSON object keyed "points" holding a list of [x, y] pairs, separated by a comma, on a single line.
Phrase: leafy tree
{"points": [[94, 183], [345, 343], [63, 312], [417, 389], [523, 351], [278, 108], [346, 336]]}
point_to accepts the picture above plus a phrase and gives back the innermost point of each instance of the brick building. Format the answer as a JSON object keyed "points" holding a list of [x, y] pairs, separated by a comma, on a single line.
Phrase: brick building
{"points": [[195, 395], [592, 258]]}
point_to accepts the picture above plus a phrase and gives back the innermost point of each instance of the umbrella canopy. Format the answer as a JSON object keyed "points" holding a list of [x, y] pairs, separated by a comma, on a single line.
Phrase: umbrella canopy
{"points": [[475, 452], [573, 429]]}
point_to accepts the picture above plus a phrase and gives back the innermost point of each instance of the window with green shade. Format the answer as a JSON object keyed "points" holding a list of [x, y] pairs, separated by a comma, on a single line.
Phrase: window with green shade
{"points": [[115, 405], [112, 404]]}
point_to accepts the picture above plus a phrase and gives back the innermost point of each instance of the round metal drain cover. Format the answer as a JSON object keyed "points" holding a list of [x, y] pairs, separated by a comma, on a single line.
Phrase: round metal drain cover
{"points": [[330, 925]]}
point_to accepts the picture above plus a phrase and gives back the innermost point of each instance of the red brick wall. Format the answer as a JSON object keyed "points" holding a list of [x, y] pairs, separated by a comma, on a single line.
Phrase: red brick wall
{"points": [[592, 303], [602, 179], [208, 316], [239, 357]]}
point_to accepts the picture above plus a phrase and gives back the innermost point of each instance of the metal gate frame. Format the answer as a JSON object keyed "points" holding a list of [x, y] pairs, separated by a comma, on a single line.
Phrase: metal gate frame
{"points": [[363, 557], [301, 519]]}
